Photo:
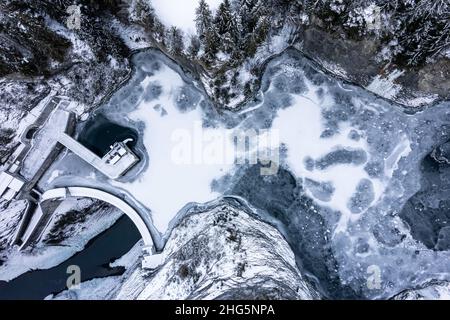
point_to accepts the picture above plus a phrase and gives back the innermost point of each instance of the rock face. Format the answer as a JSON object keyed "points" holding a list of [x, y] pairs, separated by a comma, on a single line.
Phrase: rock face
{"points": [[9, 220], [220, 253], [359, 61]]}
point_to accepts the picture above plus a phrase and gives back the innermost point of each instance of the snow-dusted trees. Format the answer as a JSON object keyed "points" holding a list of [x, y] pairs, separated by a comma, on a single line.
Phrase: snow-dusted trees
{"points": [[175, 40], [206, 29], [420, 27], [225, 24], [194, 47]]}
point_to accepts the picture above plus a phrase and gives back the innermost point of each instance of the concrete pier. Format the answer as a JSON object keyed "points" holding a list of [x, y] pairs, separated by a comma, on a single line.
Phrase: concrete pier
{"points": [[114, 164]]}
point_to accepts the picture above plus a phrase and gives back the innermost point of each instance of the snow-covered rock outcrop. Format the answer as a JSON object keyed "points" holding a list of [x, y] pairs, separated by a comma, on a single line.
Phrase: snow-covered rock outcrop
{"points": [[433, 290], [220, 253]]}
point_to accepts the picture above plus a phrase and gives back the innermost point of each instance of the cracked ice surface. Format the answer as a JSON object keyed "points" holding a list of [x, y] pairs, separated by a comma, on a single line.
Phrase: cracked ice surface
{"points": [[365, 153], [171, 117], [353, 154]]}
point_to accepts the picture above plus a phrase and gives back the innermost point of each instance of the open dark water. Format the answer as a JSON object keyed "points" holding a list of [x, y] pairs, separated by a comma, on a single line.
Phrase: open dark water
{"points": [[93, 262], [99, 133]]}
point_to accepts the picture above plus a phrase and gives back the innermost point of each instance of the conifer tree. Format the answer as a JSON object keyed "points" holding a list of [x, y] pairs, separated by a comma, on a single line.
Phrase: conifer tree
{"points": [[225, 22], [175, 40], [194, 47], [206, 29]]}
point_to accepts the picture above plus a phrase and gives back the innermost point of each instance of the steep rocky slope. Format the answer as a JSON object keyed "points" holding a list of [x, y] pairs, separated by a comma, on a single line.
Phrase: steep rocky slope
{"points": [[41, 55], [222, 252], [433, 290]]}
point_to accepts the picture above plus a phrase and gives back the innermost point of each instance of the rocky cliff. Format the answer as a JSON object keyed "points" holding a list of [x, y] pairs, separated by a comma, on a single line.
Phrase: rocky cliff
{"points": [[223, 252]]}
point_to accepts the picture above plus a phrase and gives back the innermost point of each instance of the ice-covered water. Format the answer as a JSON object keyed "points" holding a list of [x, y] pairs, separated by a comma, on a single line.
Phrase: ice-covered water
{"points": [[349, 162], [366, 154], [170, 111]]}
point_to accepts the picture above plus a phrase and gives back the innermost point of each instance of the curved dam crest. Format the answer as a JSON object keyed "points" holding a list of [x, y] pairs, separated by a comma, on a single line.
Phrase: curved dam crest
{"points": [[141, 220]]}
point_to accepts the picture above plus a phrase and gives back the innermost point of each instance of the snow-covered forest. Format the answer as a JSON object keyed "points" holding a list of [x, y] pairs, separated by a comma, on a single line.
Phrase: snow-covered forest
{"points": [[415, 30], [408, 33], [232, 41]]}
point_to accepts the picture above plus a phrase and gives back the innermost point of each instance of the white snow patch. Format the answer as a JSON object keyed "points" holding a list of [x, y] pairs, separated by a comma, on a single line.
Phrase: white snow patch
{"points": [[334, 69], [385, 86], [129, 258], [180, 13], [167, 184], [134, 37]]}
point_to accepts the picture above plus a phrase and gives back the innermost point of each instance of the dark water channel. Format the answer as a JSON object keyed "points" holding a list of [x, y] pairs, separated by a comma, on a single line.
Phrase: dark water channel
{"points": [[93, 261]]}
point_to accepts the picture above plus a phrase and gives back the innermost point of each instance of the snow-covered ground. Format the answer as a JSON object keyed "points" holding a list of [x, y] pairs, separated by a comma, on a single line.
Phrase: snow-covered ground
{"points": [[180, 13]]}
